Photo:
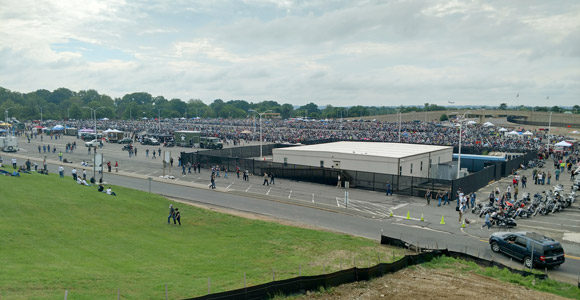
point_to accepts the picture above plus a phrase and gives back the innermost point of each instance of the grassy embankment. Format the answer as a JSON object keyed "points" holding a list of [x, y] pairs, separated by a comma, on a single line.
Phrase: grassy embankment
{"points": [[57, 235]]}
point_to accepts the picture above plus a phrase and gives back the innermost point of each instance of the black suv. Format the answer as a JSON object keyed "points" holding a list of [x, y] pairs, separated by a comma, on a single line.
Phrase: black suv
{"points": [[519, 245]]}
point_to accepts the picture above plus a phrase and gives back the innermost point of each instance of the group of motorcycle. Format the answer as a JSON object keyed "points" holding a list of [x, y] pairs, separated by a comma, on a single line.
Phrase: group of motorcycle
{"points": [[551, 201]]}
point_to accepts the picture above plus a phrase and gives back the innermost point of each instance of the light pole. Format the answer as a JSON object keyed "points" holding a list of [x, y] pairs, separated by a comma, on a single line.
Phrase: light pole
{"points": [[6, 115], [399, 119], [549, 131], [94, 111], [159, 118], [40, 115], [460, 135], [261, 114]]}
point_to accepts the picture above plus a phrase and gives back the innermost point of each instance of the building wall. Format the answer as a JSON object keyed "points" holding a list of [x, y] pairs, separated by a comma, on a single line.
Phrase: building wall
{"points": [[409, 166]]}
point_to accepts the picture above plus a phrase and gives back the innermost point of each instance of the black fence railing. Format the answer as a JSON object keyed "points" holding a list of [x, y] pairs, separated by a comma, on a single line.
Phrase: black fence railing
{"points": [[311, 283], [241, 157]]}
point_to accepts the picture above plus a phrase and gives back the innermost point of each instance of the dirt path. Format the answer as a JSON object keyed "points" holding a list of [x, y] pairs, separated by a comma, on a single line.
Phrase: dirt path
{"points": [[421, 283]]}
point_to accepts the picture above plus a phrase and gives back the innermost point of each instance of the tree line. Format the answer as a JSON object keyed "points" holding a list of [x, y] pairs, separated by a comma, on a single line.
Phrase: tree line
{"points": [[63, 103]]}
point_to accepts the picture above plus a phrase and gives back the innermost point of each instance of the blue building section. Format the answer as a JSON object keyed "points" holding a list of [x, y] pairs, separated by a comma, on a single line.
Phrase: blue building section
{"points": [[474, 163]]}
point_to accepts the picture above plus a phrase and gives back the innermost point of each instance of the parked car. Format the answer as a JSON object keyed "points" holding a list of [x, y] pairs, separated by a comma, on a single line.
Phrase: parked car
{"points": [[126, 141], [520, 245], [150, 141], [93, 143]]}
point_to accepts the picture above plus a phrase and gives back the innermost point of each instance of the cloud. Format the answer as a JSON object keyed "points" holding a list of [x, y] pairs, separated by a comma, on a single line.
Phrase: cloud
{"points": [[334, 52]]}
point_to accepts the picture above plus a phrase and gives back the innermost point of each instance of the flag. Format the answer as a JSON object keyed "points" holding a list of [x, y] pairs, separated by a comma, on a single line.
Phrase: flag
{"points": [[518, 95]]}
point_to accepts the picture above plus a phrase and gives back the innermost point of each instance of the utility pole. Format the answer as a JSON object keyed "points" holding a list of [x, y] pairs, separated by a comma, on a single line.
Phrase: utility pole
{"points": [[261, 114]]}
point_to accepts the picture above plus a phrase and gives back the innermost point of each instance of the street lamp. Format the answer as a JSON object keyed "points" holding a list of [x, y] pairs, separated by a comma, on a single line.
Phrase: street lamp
{"points": [[94, 111], [159, 118], [459, 154], [261, 114], [549, 132], [6, 115], [40, 115], [399, 119]]}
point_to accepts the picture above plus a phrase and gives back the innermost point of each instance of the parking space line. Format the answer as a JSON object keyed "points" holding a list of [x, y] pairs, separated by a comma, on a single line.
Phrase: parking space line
{"points": [[249, 188], [290, 195], [268, 192], [139, 171], [230, 185], [553, 223]]}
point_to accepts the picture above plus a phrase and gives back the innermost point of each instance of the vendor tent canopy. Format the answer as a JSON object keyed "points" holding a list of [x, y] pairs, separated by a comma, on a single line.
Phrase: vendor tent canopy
{"points": [[575, 132], [112, 131], [487, 124], [105, 119], [513, 132], [471, 122], [5, 124], [527, 133], [503, 129], [58, 127], [86, 130], [563, 144], [246, 131]]}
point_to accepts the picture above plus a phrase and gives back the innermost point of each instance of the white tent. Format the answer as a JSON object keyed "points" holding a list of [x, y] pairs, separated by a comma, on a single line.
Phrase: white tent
{"points": [[513, 132], [471, 122], [488, 124], [105, 119], [503, 129], [575, 132], [563, 144], [527, 133], [112, 131]]}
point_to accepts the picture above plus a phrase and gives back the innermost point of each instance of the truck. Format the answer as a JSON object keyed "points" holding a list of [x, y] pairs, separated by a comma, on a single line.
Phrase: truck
{"points": [[9, 144], [186, 138], [210, 143]]}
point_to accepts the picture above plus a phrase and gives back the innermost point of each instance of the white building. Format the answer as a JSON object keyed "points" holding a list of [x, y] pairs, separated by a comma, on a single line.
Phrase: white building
{"points": [[387, 158]]}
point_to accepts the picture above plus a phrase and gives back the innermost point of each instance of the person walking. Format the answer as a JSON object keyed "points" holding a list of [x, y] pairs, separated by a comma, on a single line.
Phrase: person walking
{"points": [[183, 170], [171, 213], [116, 166], [109, 166], [549, 177], [472, 199], [389, 190], [61, 171], [462, 207], [272, 178], [266, 179], [154, 155], [146, 152], [428, 196], [177, 216], [439, 198], [14, 163], [338, 184], [487, 221], [74, 174]]}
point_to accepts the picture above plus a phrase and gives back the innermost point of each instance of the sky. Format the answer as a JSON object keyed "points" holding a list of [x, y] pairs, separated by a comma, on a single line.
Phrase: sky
{"points": [[342, 53]]}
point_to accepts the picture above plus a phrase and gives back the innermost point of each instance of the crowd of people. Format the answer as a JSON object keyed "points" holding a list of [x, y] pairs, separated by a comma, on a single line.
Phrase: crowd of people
{"points": [[237, 131]]}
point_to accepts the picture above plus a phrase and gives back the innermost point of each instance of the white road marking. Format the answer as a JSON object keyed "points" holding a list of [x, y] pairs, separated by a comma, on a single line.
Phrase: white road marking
{"points": [[419, 227], [553, 223], [249, 188], [230, 185], [418, 204], [337, 204], [139, 171], [290, 195], [399, 206], [543, 228], [268, 192], [312, 198], [151, 173]]}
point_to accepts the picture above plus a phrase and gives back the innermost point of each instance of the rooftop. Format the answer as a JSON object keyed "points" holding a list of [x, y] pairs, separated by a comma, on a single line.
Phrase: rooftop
{"points": [[395, 150]]}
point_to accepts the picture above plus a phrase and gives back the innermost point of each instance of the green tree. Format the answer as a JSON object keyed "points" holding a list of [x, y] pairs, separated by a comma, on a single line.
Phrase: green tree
{"points": [[502, 106], [576, 109], [443, 117]]}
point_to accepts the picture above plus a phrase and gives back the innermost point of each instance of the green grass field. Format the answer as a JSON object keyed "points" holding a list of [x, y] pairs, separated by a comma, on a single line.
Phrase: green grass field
{"points": [[57, 235]]}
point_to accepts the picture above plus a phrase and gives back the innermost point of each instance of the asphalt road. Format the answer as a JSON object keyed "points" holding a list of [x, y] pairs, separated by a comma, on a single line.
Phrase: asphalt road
{"points": [[366, 214]]}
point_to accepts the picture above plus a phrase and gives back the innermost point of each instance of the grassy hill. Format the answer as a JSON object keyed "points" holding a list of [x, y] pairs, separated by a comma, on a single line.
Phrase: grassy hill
{"points": [[57, 235]]}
